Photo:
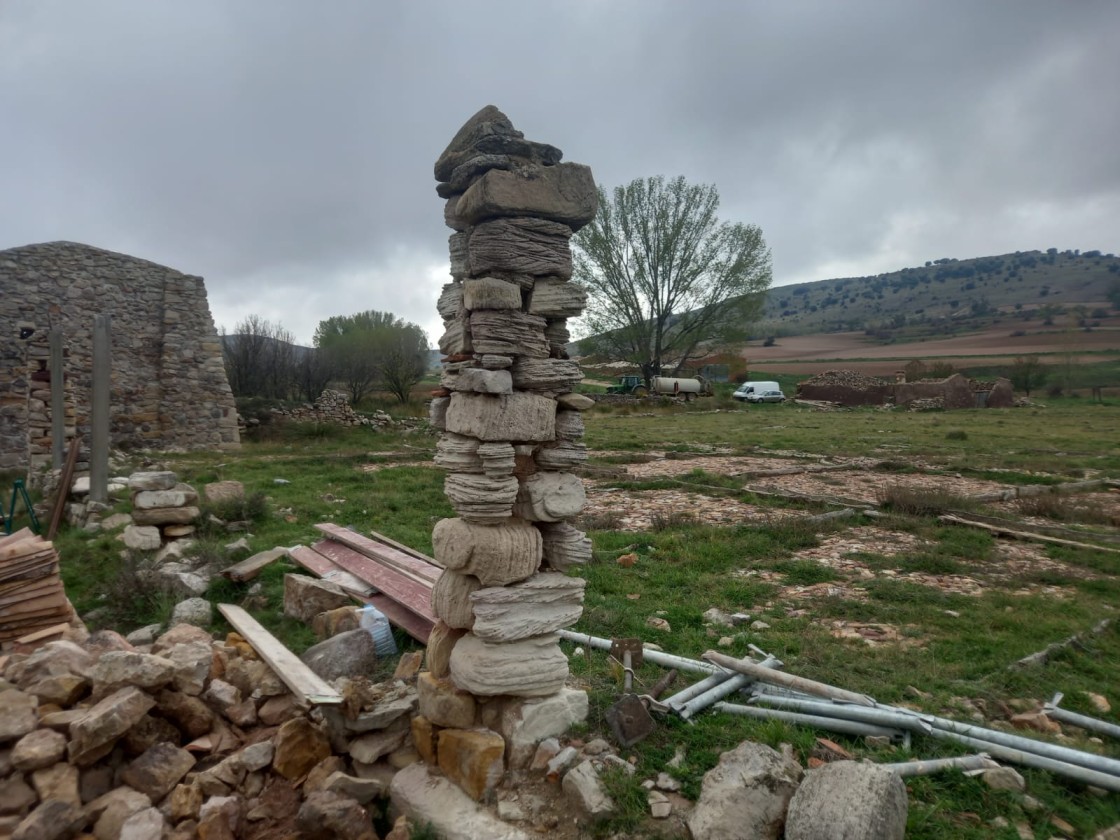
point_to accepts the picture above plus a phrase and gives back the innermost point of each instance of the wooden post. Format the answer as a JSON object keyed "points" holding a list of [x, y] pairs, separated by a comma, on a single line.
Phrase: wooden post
{"points": [[58, 400], [99, 414]]}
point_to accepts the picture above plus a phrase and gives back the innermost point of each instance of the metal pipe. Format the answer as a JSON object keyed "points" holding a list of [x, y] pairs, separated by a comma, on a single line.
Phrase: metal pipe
{"points": [[696, 689], [820, 689], [657, 657], [1029, 759], [929, 724], [1084, 721], [726, 688], [846, 727], [905, 769]]}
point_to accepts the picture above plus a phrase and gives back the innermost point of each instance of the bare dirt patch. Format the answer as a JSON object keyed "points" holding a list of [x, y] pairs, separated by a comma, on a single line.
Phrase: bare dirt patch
{"points": [[866, 487], [644, 510]]}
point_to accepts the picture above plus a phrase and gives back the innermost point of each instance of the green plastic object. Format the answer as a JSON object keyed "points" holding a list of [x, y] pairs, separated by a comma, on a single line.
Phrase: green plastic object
{"points": [[19, 492]]}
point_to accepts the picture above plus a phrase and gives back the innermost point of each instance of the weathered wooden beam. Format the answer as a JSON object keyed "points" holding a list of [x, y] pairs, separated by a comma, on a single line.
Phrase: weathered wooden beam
{"points": [[420, 568], [250, 567], [303, 682], [1024, 535]]}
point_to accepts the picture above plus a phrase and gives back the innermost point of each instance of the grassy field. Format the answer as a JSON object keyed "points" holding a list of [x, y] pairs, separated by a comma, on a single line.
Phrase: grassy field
{"points": [[949, 612]]}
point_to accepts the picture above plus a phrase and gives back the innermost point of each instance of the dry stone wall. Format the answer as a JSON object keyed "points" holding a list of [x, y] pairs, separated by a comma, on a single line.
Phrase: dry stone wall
{"points": [[511, 432], [169, 387]]}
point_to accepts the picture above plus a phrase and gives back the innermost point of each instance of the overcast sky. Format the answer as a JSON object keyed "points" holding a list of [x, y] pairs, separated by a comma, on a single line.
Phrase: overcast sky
{"points": [[283, 149]]}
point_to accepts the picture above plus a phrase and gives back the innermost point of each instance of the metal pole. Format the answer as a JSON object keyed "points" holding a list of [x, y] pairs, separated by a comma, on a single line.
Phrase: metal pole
{"points": [[931, 725], [847, 727], [905, 769], [99, 413], [724, 689], [789, 680], [657, 657], [1084, 721], [58, 400]]}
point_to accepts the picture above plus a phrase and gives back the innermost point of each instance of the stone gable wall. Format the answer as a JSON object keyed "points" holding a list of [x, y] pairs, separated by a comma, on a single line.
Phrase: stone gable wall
{"points": [[169, 387]]}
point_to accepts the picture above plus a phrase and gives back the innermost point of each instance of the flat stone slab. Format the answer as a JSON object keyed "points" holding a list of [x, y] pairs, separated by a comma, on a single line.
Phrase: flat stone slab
{"points": [[425, 798]]}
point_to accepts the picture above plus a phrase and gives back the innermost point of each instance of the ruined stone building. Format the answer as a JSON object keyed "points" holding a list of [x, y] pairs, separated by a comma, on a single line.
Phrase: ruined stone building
{"points": [[169, 387]]}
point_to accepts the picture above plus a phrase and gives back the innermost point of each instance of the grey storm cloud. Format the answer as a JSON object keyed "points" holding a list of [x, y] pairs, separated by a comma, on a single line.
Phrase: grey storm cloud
{"points": [[284, 149]]}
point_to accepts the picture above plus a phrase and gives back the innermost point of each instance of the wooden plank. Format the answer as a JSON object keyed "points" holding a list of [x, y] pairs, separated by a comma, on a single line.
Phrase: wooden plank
{"points": [[412, 552], [416, 595], [45, 633], [65, 483], [417, 626], [315, 562], [303, 682], [21, 534], [250, 567], [27, 545], [386, 554]]}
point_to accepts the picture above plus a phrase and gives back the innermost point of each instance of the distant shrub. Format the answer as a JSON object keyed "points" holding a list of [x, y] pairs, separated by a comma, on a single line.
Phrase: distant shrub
{"points": [[956, 434], [898, 498]]}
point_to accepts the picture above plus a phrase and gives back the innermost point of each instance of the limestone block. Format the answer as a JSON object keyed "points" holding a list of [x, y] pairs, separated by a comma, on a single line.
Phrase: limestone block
{"points": [[527, 668], [450, 303], [475, 166], [525, 723], [521, 246], [848, 799], [37, 750], [51, 819], [484, 381], [497, 458], [437, 413], [458, 453], [480, 498], [553, 297], [349, 654], [563, 193], [441, 641], [112, 809], [472, 758], [558, 375], [443, 703], [451, 599], [162, 480], [583, 787], [542, 604], [178, 496], [492, 362], [117, 669], [424, 734], [166, 515], [450, 217], [305, 597], [497, 555], [569, 425], [189, 714], [576, 402], [746, 794], [563, 546], [550, 497], [457, 249], [158, 770], [487, 123], [511, 417], [328, 814], [561, 456], [456, 338], [192, 661], [428, 798], [490, 293], [142, 537], [558, 337], [299, 745], [94, 733], [508, 332], [218, 492]]}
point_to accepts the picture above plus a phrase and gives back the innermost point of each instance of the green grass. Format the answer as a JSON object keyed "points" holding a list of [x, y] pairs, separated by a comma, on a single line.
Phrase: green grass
{"points": [[956, 645]]}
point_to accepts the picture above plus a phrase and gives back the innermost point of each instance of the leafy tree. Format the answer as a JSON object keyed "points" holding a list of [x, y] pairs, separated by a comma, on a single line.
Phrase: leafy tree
{"points": [[373, 348], [665, 275], [312, 374], [1028, 372], [260, 359]]}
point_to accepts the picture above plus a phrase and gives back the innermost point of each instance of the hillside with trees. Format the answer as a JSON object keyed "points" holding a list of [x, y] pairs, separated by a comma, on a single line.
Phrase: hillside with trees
{"points": [[947, 296]]}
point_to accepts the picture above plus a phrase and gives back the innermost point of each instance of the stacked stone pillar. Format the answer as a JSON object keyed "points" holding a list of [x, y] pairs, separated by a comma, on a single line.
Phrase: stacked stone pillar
{"points": [[511, 436]]}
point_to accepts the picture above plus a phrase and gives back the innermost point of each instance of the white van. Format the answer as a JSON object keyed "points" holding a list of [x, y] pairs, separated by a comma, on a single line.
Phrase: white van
{"points": [[750, 388]]}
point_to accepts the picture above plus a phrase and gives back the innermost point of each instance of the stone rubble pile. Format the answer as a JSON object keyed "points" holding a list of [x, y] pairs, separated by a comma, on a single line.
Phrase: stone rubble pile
{"points": [[163, 509], [511, 437], [333, 407], [187, 737]]}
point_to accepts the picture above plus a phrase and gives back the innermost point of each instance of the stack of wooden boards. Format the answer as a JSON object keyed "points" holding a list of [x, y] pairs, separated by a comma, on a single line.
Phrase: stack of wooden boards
{"points": [[31, 593], [388, 575]]}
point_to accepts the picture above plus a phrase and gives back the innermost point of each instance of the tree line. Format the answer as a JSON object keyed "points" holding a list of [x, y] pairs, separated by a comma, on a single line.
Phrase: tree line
{"points": [[357, 353]]}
